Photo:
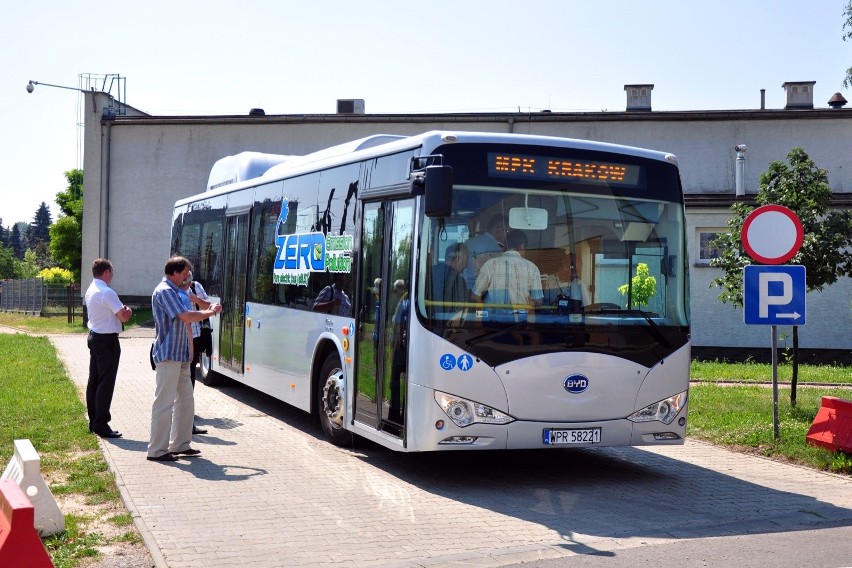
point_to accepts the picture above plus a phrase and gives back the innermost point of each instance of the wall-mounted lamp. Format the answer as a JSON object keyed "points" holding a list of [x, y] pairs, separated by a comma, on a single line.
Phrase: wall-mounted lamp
{"points": [[31, 86]]}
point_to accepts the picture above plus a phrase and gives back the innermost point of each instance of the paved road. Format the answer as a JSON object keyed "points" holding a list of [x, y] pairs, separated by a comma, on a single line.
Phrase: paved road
{"points": [[268, 491]]}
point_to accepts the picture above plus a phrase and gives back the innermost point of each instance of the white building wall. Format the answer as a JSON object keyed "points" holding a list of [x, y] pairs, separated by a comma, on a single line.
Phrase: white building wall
{"points": [[829, 313]]}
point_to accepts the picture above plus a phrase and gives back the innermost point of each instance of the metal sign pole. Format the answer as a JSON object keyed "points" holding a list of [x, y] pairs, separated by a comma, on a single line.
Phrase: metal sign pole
{"points": [[775, 380]]}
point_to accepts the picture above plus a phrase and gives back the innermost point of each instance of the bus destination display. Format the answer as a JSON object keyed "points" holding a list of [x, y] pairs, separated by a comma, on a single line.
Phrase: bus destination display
{"points": [[562, 169]]}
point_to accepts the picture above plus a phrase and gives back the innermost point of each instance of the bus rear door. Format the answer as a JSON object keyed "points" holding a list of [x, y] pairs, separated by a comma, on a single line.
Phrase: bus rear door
{"points": [[234, 317]]}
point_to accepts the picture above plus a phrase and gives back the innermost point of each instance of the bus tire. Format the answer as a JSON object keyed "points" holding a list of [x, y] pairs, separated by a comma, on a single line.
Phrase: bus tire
{"points": [[207, 375], [331, 403]]}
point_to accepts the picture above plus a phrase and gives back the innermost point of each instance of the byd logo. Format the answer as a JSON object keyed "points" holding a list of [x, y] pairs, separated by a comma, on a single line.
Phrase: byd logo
{"points": [[575, 384]]}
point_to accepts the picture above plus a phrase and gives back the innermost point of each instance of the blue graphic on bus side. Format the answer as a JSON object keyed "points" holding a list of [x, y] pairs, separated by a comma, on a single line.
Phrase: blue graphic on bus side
{"points": [[301, 254], [448, 362]]}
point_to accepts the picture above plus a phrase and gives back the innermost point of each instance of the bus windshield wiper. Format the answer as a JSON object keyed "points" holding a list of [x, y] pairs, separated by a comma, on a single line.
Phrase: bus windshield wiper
{"points": [[653, 327]]}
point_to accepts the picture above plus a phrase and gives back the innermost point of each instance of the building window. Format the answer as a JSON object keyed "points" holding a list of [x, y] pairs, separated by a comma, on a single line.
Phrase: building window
{"points": [[707, 252]]}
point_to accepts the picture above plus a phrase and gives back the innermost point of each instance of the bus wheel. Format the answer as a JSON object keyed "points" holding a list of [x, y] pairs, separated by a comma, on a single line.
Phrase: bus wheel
{"points": [[208, 376], [331, 402]]}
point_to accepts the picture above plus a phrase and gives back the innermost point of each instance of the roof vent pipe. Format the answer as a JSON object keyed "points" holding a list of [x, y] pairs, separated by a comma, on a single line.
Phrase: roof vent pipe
{"points": [[836, 101], [762, 99], [740, 169]]}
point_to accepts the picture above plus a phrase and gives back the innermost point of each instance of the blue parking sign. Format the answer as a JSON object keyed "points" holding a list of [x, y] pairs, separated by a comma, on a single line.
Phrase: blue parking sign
{"points": [[774, 295]]}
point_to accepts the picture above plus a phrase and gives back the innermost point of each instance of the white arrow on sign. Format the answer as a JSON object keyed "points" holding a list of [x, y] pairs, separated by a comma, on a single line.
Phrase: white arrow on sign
{"points": [[794, 315]]}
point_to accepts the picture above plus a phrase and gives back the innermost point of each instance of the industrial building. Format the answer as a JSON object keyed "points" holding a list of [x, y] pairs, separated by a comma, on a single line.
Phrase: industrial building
{"points": [[136, 166]]}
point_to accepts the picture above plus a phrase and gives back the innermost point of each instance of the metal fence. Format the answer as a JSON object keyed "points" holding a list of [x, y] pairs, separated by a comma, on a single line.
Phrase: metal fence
{"points": [[37, 297]]}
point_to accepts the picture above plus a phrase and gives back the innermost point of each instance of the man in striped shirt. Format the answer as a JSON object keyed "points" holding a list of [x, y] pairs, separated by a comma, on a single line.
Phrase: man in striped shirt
{"points": [[174, 406]]}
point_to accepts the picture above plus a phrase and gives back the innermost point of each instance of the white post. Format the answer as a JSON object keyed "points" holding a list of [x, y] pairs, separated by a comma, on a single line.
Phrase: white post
{"points": [[24, 469]]}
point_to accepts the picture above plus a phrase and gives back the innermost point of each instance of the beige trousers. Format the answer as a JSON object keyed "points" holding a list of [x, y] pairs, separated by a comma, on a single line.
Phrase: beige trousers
{"points": [[173, 410]]}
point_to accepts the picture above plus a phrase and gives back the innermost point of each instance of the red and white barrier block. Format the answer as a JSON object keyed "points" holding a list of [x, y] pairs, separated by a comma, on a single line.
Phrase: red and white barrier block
{"points": [[832, 426], [20, 545]]}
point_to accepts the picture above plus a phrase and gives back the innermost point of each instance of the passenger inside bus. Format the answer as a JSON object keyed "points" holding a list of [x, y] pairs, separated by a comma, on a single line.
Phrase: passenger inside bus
{"points": [[510, 281], [566, 290], [399, 356], [485, 246], [449, 288]]}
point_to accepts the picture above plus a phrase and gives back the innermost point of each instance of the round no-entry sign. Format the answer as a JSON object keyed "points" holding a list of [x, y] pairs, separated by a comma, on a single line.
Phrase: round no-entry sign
{"points": [[772, 234]]}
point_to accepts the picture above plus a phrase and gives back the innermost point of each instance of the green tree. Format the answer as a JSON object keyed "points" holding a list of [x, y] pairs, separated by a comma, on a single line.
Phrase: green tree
{"points": [[29, 267], [847, 34], [826, 255], [643, 285], [39, 230], [16, 241], [9, 265], [70, 201], [66, 235]]}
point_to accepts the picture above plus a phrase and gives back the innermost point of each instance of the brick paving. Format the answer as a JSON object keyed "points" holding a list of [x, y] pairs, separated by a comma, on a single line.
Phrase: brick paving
{"points": [[268, 491]]}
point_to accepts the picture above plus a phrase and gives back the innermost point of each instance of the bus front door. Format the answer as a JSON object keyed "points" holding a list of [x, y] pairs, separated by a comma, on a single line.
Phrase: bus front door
{"points": [[381, 371], [234, 317]]}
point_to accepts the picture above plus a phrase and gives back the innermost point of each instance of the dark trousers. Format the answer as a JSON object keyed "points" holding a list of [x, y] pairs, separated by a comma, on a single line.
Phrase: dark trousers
{"points": [[396, 402], [196, 358], [104, 353]]}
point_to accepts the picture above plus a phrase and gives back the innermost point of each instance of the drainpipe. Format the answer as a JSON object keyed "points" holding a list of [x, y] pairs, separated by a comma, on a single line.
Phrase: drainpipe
{"points": [[740, 169], [105, 171]]}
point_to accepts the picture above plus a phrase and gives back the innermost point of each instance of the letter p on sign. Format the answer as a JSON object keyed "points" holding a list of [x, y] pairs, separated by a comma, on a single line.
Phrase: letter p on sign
{"points": [[770, 284]]}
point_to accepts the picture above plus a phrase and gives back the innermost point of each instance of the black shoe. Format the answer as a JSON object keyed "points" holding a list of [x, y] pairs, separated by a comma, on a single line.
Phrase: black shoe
{"points": [[187, 452], [108, 433], [197, 430], [162, 458]]}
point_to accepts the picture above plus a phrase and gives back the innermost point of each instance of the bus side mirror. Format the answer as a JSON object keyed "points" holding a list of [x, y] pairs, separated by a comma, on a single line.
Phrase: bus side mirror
{"points": [[437, 188]]}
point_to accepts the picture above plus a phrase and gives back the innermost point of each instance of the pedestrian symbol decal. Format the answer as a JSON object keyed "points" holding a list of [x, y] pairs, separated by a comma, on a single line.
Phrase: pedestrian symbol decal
{"points": [[465, 362]]}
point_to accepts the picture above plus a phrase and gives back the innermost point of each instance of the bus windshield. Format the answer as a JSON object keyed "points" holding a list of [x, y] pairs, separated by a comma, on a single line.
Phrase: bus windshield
{"points": [[517, 271]]}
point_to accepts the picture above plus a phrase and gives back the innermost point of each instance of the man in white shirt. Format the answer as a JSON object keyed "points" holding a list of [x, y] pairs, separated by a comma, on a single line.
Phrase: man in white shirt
{"points": [[106, 314]]}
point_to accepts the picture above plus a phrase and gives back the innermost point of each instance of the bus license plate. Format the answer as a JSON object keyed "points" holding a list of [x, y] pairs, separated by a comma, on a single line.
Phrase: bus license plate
{"points": [[554, 437]]}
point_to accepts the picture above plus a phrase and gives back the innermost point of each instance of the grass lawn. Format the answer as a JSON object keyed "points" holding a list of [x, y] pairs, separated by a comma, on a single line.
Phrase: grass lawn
{"points": [[740, 417], [39, 402], [716, 371]]}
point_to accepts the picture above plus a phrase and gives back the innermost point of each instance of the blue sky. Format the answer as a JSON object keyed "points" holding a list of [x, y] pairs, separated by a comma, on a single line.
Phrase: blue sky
{"points": [[219, 57]]}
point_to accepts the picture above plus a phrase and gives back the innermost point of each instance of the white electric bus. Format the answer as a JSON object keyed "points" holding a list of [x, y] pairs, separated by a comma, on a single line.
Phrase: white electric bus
{"points": [[331, 266]]}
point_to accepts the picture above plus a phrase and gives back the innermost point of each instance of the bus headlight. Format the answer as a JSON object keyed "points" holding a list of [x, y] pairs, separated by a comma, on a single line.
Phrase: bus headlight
{"points": [[663, 411], [465, 412]]}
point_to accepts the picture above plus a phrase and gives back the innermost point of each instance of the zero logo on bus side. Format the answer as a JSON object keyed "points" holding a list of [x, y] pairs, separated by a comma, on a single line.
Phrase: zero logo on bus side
{"points": [[575, 384], [301, 251]]}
